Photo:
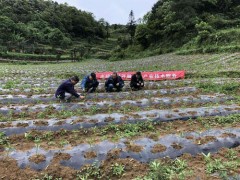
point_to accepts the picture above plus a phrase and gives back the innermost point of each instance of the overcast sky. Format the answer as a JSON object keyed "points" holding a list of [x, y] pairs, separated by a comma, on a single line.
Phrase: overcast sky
{"points": [[113, 11]]}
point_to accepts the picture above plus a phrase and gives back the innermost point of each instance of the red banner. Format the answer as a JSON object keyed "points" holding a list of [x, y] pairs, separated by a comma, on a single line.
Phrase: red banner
{"points": [[152, 76]]}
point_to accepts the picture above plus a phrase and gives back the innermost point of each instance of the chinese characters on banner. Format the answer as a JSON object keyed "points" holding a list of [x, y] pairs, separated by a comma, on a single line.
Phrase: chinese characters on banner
{"points": [[152, 76]]}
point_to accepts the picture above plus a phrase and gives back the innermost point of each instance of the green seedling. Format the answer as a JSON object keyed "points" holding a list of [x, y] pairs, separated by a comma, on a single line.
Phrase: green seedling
{"points": [[231, 154], [118, 169], [28, 136], [63, 143], [155, 165], [37, 142], [8, 148]]}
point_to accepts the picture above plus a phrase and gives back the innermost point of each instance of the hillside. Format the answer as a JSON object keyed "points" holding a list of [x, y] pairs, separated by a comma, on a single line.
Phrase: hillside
{"points": [[199, 26], [46, 30]]}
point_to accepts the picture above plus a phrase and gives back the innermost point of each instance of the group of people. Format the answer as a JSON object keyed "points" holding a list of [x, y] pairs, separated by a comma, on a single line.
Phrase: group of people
{"points": [[90, 83]]}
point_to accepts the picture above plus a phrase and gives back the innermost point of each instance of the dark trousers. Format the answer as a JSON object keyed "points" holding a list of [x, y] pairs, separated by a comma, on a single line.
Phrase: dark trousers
{"points": [[91, 87], [63, 98], [111, 87], [136, 87]]}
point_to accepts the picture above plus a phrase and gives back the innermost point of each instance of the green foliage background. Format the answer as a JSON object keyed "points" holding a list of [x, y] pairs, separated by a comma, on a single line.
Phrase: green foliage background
{"points": [[183, 26]]}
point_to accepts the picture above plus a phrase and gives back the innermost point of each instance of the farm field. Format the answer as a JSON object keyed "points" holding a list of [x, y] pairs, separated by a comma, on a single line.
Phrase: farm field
{"points": [[182, 129]]}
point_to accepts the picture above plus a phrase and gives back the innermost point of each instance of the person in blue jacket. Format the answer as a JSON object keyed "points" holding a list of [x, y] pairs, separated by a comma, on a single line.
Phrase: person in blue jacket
{"points": [[114, 82], [89, 83], [68, 87]]}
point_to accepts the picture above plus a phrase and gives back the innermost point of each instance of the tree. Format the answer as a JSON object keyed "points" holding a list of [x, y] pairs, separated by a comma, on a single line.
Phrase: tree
{"points": [[141, 35], [7, 27], [131, 26], [55, 37], [107, 27]]}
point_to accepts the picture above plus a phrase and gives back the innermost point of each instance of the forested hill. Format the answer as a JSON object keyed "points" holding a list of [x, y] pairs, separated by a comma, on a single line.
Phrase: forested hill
{"points": [[187, 26], [34, 22], [190, 23]]}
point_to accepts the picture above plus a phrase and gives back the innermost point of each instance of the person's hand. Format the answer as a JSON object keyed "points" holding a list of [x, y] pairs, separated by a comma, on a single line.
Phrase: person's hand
{"points": [[138, 84], [142, 84], [82, 97], [117, 84], [83, 89]]}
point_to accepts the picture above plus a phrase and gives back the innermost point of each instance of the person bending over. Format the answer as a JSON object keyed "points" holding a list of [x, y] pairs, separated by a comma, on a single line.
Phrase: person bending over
{"points": [[114, 82], [68, 87], [137, 82], [89, 83]]}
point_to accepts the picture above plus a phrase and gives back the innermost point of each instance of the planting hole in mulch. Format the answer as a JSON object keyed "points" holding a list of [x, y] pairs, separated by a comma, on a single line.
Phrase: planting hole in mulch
{"points": [[228, 109], [5, 125], [189, 137], [133, 147], [168, 115], [157, 148], [226, 135], [62, 156], [151, 115], [78, 121], [108, 119], [37, 158], [192, 112], [153, 136], [114, 153], [124, 118], [94, 121], [59, 123], [90, 155], [136, 116], [205, 140], [41, 123], [176, 146], [22, 125], [182, 114]]}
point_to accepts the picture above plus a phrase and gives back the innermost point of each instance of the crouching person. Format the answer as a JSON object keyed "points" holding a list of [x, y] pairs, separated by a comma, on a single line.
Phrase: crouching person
{"points": [[68, 87], [89, 83], [113, 83], [137, 82]]}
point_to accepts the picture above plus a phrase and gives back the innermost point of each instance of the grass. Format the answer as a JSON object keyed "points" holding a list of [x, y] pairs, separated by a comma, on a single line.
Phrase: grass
{"points": [[198, 67], [227, 88]]}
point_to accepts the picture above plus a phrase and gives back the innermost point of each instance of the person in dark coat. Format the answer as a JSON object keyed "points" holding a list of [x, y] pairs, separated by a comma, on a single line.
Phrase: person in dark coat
{"points": [[89, 83], [114, 82], [68, 87], [137, 82]]}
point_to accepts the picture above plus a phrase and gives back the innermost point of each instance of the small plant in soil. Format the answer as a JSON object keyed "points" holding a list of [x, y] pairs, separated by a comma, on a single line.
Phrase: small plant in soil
{"points": [[158, 148], [231, 154], [48, 177], [63, 143], [117, 169], [94, 109], [28, 136], [3, 139], [155, 165], [48, 136], [37, 142], [89, 171], [8, 148], [207, 157]]}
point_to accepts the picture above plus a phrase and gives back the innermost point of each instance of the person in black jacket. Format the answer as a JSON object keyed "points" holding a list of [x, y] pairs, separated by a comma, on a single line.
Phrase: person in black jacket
{"points": [[137, 82], [89, 83], [114, 82], [68, 87]]}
